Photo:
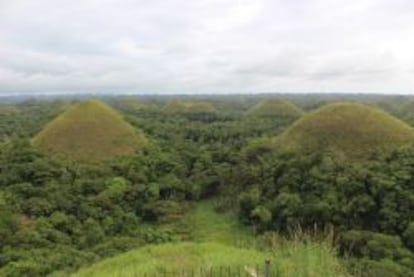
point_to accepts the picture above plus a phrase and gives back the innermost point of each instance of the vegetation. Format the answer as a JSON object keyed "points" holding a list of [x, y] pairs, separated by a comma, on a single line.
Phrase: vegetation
{"points": [[192, 110], [89, 131], [222, 245], [175, 106], [207, 191], [368, 203], [27, 118], [206, 225], [129, 103], [292, 260], [275, 108], [347, 129]]}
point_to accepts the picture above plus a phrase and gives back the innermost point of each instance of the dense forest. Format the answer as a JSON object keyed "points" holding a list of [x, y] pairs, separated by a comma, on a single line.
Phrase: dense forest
{"points": [[281, 163]]}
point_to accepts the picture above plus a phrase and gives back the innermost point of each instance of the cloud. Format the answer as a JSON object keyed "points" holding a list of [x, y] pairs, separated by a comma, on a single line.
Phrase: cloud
{"points": [[206, 46]]}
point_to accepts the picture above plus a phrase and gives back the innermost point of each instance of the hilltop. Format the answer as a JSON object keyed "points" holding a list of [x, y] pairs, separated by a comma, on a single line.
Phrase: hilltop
{"points": [[350, 129], [275, 108], [89, 131]]}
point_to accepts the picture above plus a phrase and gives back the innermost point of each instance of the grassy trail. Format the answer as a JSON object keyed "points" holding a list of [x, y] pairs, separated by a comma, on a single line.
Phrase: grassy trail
{"points": [[206, 225]]}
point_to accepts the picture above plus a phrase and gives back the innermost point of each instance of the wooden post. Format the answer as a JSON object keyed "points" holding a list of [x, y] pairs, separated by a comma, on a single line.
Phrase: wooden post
{"points": [[267, 268]]}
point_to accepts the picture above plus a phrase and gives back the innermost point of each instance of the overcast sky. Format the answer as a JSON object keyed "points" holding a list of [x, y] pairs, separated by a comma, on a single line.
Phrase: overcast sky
{"points": [[207, 46]]}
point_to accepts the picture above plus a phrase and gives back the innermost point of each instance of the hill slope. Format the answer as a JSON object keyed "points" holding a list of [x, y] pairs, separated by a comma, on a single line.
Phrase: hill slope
{"points": [[275, 108], [187, 107], [89, 131], [214, 254], [350, 129]]}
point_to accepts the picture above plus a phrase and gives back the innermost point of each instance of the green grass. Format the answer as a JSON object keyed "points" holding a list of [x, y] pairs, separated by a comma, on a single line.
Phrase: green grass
{"points": [[89, 131], [207, 225], [212, 250], [275, 108], [173, 257], [288, 259], [348, 129]]}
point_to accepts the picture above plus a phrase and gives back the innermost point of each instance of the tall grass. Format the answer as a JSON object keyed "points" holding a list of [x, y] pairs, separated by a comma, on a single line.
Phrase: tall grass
{"points": [[225, 248], [300, 258]]}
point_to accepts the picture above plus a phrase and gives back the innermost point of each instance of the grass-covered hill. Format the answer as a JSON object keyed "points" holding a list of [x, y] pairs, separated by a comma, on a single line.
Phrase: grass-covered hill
{"points": [[350, 129], [200, 107], [174, 106], [89, 131], [131, 103], [189, 107], [275, 108]]}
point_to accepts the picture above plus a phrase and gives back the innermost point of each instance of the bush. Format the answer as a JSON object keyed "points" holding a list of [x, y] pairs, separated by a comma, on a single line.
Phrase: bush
{"points": [[408, 235], [116, 245], [381, 268]]}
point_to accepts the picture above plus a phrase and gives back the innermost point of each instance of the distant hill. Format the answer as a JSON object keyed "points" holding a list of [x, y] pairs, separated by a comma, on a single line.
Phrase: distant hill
{"points": [[199, 107], [177, 106], [89, 131], [193, 110], [349, 129], [131, 103], [275, 108]]}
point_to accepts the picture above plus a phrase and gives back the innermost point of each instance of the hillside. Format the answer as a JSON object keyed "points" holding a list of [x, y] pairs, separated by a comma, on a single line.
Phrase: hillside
{"points": [[350, 129], [131, 103], [174, 106], [187, 107], [200, 107], [214, 252], [89, 131], [275, 108]]}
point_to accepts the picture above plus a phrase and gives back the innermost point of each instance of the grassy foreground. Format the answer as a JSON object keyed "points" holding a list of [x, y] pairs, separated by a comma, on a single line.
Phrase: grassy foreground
{"points": [[212, 253], [192, 258]]}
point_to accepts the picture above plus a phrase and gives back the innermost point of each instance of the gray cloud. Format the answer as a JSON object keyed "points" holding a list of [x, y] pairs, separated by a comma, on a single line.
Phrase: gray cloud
{"points": [[212, 46]]}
